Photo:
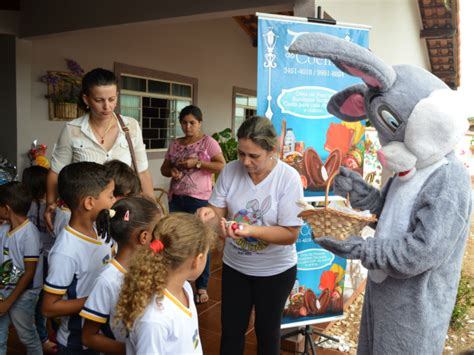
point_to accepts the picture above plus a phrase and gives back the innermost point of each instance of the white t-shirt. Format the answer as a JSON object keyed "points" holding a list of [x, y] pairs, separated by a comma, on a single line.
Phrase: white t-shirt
{"points": [[61, 220], [20, 245], [100, 305], [75, 261], [167, 327], [36, 215], [272, 202]]}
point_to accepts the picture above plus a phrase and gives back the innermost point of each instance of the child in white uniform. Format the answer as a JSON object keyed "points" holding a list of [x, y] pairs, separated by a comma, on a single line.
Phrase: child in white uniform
{"points": [[156, 303], [21, 268], [35, 179], [78, 255], [131, 223]]}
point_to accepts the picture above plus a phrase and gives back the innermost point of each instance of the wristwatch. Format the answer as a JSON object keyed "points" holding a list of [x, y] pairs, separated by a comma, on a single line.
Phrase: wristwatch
{"points": [[198, 164]]}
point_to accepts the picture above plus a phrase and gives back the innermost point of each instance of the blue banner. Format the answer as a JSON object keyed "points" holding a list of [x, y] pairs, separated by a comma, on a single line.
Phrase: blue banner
{"points": [[293, 91]]}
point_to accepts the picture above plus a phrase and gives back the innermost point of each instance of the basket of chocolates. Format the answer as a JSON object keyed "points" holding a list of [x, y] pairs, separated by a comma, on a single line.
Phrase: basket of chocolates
{"points": [[336, 221]]}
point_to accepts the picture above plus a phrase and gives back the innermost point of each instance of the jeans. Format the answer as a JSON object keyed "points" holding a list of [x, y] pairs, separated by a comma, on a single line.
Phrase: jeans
{"points": [[241, 293], [181, 203], [40, 320], [22, 315]]}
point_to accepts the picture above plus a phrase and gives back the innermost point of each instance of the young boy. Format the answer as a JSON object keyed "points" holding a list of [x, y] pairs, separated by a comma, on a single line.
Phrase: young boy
{"points": [[21, 268], [126, 184], [78, 254]]}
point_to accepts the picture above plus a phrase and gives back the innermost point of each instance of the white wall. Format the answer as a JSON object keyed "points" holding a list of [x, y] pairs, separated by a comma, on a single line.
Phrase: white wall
{"points": [[396, 24], [217, 52]]}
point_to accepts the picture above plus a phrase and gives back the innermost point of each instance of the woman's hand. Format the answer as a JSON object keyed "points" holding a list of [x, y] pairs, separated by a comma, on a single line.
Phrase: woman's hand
{"points": [[243, 230], [176, 174], [189, 163], [49, 216]]}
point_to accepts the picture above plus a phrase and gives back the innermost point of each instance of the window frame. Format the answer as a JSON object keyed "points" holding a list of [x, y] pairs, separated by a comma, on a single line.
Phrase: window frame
{"points": [[236, 91], [152, 74]]}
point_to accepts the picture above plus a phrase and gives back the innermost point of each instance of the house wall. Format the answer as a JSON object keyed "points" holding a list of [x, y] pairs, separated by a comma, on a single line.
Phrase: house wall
{"points": [[217, 52]]}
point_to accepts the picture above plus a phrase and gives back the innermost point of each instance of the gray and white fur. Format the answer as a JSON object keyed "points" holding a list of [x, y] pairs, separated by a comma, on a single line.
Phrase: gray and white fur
{"points": [[424, 211]]}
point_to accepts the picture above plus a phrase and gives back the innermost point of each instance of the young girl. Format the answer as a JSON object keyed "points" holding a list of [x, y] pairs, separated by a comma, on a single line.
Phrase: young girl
{"points": [[34, 178], [131, 223], [156, 303]]}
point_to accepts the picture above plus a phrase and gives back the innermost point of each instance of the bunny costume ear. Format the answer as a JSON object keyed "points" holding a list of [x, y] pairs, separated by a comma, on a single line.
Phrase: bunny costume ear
{"points": [[349, 104], [349, 57]]}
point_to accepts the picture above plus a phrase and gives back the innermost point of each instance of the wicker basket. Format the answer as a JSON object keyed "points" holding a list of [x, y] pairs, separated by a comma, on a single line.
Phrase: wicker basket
{"points": [[330, 222]]}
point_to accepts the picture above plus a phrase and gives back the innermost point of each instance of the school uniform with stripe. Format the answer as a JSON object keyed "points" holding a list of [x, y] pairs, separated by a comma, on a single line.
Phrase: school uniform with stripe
{"points": [[100, 305], [20, 245], [167, 327], [75, 261]]}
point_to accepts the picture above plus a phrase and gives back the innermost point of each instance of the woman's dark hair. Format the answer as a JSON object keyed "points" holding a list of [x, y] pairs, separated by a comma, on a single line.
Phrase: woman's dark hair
{"points": [[259, 130], [96, 77], [126, 181], [129, 214], [34, 178], [16, 196], [191, 110]]}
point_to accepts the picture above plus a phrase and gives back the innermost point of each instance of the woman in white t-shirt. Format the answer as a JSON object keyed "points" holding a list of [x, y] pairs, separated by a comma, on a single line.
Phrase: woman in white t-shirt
{"points": [[257, 193], [98, 137]]}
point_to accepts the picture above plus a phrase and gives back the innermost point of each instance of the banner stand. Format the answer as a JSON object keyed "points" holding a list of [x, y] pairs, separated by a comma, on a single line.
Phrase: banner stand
{"points": [[308, 332]]}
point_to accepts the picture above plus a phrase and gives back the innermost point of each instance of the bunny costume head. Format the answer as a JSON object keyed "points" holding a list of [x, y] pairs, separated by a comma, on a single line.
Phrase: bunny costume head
{"points": [[415, 114]]}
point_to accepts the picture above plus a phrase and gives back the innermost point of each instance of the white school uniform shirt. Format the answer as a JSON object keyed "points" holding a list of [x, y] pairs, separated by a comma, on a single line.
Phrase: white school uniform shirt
{"points": [[75, 261], [166, 327], [61, 220], [272, 202], [36, 215], [100, 305], [19, 245]]}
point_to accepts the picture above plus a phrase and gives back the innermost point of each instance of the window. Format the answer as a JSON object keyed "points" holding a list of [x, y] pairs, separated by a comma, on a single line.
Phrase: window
{"points": [[155, 99], [244, 106]]}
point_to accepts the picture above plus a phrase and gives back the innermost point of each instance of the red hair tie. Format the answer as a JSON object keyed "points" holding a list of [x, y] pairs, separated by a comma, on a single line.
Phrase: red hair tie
{"points": [[156, 246]]}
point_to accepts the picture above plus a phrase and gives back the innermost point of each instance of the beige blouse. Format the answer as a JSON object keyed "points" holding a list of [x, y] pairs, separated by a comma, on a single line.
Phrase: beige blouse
{"points": [[77, 143]]}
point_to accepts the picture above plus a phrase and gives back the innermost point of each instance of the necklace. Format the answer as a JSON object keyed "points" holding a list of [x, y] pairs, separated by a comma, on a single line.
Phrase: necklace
{"points": [[102, 137]]}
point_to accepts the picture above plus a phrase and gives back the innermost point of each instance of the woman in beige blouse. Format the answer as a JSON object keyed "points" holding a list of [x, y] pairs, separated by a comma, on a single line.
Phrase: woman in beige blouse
{"points": [[97, 136]]}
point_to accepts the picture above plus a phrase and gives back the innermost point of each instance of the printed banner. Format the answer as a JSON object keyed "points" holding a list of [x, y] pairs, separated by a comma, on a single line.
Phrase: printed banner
{"points": [[317, 295], [293, 92]]}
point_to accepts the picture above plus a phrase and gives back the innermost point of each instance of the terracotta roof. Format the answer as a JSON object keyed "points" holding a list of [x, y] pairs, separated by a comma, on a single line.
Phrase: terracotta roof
{"points": [[440, 20]]}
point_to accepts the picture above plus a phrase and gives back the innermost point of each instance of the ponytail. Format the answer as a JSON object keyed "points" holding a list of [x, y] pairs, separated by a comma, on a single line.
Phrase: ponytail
{"points": [[182, 236]]}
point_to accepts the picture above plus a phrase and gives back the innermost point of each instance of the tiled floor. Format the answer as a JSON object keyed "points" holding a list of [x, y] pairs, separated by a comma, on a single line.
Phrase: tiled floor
{"points": [[209, 320]]}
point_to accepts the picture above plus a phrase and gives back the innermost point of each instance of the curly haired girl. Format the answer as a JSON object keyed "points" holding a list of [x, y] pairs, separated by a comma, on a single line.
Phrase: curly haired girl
{"points": [[131, 223], [156, 302]]}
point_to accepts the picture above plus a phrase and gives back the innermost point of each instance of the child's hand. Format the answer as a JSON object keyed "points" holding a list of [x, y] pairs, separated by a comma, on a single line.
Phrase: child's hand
{"points": [[206, 214], [4, 307]]}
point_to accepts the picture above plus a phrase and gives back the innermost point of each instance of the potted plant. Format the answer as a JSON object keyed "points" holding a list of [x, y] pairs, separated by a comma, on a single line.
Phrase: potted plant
{"points": [[228, 144], [63, 91]]}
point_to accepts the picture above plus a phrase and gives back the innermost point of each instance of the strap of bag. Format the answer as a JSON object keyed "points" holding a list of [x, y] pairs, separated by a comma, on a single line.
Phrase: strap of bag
{"points": [[129, 141]]}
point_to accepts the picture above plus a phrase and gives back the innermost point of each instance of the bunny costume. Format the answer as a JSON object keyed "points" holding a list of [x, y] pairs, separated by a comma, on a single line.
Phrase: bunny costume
{"points": [[415, 258]]}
